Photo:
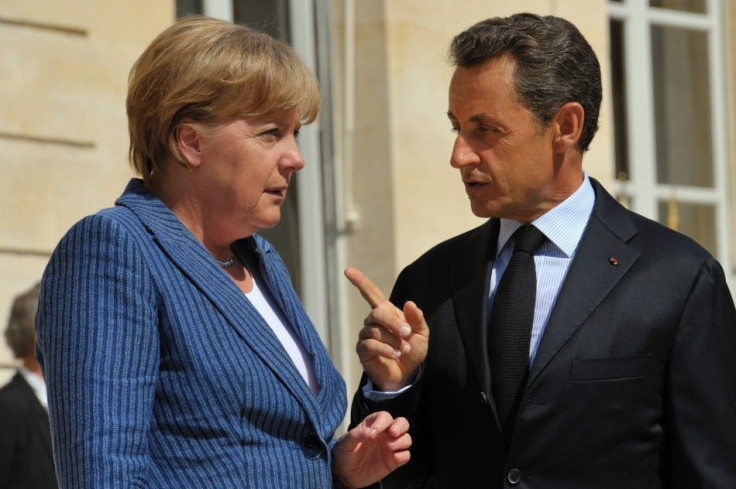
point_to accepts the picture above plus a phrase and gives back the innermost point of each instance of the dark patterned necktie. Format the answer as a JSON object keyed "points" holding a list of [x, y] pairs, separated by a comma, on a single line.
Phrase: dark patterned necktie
{"points": [[510, 325]]}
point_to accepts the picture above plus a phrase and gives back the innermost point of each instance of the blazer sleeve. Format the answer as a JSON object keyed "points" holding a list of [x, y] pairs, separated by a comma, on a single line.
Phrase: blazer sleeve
{"points": [[98, 347], [700, 388]]}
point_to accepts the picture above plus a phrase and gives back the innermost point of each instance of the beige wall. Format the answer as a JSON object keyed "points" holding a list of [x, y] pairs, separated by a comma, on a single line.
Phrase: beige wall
{"points": [[63, 132], [408, 195]]}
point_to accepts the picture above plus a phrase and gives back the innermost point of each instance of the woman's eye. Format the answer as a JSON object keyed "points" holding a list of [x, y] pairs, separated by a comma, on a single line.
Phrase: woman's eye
{"points": [[272, 133]]}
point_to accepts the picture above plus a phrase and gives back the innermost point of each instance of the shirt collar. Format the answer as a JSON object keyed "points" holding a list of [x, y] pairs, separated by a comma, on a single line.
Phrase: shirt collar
{"points": [[563, 225]]}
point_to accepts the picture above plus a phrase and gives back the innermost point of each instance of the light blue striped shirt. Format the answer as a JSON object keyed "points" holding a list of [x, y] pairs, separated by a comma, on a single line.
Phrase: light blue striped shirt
{"points": [[563, 225]]}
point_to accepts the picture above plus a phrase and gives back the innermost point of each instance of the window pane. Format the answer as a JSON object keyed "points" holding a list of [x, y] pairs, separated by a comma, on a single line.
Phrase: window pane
{"points": [[269, 16], [625, 199], [682, 107], [285, 236], [695, 220], [695, 6], [620, 116], [188, 7]]}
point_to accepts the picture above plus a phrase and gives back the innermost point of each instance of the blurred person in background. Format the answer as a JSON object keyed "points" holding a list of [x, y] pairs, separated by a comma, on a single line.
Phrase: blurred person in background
{"points": [[26, 459], [175, 350]]}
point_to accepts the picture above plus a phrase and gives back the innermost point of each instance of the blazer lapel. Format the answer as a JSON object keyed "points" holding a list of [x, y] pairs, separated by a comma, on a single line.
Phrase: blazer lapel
{"points": [[602, 259], [281, 288], [470, 282], [193, 260]]}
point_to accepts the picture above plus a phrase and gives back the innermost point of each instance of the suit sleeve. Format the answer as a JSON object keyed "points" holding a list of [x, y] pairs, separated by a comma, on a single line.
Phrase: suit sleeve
{"points": [[98, 347], [701, 388], [416, 474]]}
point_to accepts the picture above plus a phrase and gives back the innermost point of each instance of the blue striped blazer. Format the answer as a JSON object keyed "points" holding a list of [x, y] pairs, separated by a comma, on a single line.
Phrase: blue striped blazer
{"points": [[161, 374]]}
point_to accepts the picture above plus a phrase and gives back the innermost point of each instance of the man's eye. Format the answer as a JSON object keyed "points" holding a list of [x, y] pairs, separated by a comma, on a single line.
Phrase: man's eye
{"points": [[487, 130], [455, 129]]}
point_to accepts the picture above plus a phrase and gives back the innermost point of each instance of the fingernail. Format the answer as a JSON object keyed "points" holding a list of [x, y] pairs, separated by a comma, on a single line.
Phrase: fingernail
{"points": [[406, 349], [405, 331], [397, 353]]}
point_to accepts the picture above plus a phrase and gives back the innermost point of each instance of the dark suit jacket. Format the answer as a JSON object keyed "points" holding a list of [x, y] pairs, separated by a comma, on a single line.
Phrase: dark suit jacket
{"points": [[25, 440], [633, 385]]}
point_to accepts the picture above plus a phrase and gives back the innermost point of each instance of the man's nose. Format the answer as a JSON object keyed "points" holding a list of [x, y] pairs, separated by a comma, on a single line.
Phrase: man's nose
{"points": [[462, 153]]}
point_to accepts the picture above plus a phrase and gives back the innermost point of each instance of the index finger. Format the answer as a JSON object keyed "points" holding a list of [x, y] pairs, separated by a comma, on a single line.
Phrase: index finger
{"points": [[367, 288]]}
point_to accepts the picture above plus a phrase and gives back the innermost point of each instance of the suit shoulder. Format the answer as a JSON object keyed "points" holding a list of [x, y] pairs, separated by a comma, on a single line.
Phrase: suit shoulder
{"points": [[448, 248], [436, 264], [658, 238], [102, 224], [13, 394], [650, 237]]}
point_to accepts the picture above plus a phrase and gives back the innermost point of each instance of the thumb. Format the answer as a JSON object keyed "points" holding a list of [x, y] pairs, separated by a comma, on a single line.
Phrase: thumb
{"points": [[369, 428], [415, 317]]}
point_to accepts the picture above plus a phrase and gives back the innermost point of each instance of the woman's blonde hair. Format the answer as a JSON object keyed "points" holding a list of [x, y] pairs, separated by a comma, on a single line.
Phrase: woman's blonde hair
{"points": [[206, 70]]}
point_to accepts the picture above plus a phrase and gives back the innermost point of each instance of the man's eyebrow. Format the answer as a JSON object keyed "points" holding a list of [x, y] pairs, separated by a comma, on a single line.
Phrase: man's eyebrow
{"points": [[480, 118]]}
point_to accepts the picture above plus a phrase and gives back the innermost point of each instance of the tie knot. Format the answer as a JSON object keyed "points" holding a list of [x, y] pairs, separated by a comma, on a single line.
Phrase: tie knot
{"points": [[528, 238]]}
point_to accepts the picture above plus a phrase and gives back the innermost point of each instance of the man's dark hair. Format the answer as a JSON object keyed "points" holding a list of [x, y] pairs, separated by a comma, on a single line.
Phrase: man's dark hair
{"points": [[554, 63]]}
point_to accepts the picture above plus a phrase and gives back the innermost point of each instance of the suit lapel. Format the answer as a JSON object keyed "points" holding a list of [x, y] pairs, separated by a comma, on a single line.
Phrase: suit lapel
{"points": [[197, 265], [602, 259], [470, 281]]}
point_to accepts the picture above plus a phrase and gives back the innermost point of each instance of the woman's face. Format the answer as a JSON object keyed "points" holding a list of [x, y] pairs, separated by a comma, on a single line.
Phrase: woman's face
{"points": [[245, 168]]}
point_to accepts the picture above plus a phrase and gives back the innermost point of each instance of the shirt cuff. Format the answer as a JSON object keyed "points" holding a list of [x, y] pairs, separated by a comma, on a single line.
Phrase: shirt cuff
{"points": [[375, 396]]}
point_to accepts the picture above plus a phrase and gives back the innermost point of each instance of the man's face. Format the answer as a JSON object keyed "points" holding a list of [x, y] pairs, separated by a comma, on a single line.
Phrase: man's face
{"points": [[505, 156]]}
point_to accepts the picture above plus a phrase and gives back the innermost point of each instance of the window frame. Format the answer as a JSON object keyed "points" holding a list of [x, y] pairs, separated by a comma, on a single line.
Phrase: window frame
{"points": [[642, 189]]}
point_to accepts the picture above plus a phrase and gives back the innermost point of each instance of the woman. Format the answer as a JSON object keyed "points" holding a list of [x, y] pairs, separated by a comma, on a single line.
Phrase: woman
{"points": [[175, 350]]}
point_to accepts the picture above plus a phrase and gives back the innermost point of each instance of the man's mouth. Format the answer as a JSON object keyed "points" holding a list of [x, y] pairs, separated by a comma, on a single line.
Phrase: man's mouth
{"points": [[473, 183]]}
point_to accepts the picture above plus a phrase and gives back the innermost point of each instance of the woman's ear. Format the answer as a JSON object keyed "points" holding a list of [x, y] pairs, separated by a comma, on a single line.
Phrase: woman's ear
{"points": [[188, 139], [568, 126]]}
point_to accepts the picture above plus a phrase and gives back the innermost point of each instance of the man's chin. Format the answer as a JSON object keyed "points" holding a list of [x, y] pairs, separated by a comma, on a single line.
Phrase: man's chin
{"points": [[482, 211]]}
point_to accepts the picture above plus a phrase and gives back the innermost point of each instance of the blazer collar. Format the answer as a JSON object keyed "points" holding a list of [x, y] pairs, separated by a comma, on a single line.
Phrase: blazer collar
{"points": [[196, 263]]}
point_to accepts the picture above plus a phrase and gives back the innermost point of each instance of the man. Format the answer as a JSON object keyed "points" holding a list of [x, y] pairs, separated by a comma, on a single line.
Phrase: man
{"points": [[627, 377], [25, 440]]}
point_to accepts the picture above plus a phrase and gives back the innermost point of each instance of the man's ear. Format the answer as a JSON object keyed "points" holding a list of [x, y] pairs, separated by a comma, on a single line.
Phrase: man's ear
{"points": [[188, 139], [568, 125]]}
